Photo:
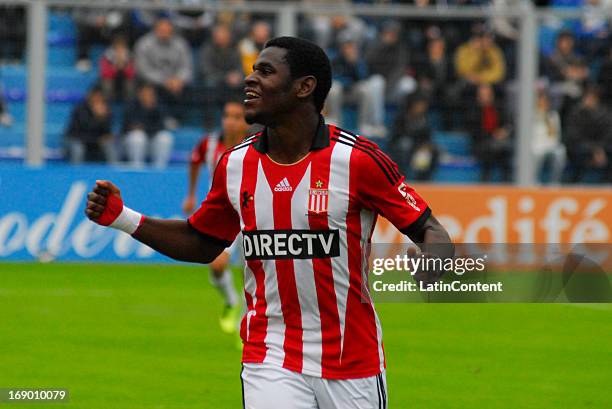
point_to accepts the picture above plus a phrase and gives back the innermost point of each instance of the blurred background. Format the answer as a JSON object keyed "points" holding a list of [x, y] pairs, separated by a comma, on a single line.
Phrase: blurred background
{"points": [[499, 96]]}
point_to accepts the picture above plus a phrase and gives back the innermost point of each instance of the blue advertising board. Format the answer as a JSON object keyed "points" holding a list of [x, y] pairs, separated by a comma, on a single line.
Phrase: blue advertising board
{"points": [[42, 211]]}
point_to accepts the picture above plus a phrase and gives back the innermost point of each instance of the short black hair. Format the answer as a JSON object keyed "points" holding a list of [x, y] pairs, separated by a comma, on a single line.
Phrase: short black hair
{"points": [[306, 58], [591, 89], [96, 89], [145, 84], [565, 33]]}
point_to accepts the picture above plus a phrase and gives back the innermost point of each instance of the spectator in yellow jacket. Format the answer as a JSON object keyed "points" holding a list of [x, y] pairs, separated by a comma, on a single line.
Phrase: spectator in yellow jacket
{"points": [[480, 61], [251, 46]]}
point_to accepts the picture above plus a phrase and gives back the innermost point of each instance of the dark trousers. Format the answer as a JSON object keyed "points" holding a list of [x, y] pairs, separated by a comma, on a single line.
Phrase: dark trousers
{"points": [[174, 105], [12, 32], [581, 161], [495, 154]]}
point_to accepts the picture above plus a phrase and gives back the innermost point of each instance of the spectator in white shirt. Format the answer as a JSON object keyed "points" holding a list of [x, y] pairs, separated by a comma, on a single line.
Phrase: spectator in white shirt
{"points": [[546, 144]]}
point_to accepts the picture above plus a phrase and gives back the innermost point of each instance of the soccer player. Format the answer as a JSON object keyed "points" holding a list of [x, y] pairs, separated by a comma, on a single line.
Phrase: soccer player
{"points": [[306, 196], [209, 151]]}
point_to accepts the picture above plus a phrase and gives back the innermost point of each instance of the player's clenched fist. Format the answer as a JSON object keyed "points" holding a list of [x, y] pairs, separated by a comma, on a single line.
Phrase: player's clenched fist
{"points": [[98, 200], [105, 207]]}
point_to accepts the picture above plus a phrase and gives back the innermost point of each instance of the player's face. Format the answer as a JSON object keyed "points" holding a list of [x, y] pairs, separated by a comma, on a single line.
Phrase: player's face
{"points": [[269, 89], [233, 122]]}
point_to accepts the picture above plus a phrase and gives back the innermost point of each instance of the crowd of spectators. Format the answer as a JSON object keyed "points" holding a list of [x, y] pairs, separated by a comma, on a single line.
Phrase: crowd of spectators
{"points": [[406, 79], [576, 87], [12, 33], [12, 46]]}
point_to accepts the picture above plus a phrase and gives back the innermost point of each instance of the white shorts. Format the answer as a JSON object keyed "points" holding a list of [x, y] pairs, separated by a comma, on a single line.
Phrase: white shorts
{"points": [[266, 386]]}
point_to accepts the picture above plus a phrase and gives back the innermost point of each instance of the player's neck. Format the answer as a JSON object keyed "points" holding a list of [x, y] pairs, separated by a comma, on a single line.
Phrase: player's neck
{"points": [[290, 140]]}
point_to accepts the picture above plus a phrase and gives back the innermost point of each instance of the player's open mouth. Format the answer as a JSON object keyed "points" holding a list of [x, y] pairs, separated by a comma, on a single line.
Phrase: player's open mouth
{"points": [[250, 96]]}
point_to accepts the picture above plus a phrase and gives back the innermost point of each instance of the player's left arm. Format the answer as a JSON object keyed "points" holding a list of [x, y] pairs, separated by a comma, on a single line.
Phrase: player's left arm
{"points": [[435, 243], [432, 232], [383, 189], [425, 231]]}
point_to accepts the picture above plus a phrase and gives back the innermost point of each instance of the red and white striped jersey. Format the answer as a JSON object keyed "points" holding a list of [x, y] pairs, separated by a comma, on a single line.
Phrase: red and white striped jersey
{"points": [[209, 150], [306, 229]]}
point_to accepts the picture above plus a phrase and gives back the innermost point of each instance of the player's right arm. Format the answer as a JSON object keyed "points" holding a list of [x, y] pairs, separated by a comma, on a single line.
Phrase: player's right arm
{"points": [[199, 239], [173, 238]]}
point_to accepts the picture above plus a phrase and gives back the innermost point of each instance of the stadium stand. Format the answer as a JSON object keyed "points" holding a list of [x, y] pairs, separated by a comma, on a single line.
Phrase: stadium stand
{"points": [[66, 86]]}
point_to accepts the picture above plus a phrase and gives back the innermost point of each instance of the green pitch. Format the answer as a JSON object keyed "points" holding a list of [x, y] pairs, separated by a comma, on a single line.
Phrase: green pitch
{"points": [[137, 336]]}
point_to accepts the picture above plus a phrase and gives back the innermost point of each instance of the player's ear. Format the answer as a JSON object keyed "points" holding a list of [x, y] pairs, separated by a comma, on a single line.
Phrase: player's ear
{"points": [[306, 86]]}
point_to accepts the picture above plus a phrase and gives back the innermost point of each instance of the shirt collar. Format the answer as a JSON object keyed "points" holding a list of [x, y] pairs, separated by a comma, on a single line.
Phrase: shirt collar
{"points": [[320, 141]]}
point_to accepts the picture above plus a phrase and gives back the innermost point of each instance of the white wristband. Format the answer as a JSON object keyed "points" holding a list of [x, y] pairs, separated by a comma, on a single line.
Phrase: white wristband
{"points": [[127, 221]]}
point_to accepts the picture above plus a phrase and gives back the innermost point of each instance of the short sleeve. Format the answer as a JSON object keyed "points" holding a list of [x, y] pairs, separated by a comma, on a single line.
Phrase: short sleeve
{"points": [[382, 188], [216, 217], [198, 155]]}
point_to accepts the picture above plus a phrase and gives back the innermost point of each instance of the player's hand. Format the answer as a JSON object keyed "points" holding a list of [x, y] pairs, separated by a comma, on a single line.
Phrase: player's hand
{"points": [[104, 203], [189, 204], [426, 276]]}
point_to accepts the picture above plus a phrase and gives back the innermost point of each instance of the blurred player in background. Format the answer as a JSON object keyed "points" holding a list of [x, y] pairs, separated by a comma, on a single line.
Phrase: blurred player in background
{"points": [[208, 151]]}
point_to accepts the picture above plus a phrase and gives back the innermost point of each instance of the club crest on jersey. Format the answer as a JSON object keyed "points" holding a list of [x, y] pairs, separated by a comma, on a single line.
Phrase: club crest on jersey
{"points": [[403, 189], [318, 199]]}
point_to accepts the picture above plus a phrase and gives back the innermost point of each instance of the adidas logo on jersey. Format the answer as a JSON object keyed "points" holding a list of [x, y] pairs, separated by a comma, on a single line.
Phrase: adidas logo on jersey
{"points": [[283, 186]]}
